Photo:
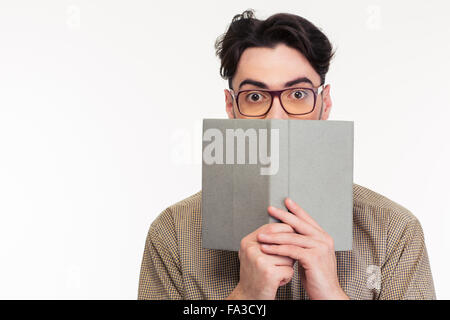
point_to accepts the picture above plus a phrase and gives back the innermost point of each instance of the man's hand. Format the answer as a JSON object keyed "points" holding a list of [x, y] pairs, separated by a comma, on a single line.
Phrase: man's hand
{"points": [[311, 246], [262, 273]]}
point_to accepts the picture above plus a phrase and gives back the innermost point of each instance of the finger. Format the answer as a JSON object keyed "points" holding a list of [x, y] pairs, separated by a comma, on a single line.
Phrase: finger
{"points": [[285, 274], [300, 212], [254, 253], [277, 260], [287, 238], [299, 225], [294, 252], [275, 227]]}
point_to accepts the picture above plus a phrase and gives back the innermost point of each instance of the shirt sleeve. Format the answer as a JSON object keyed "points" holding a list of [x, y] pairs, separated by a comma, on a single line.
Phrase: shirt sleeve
{"points": [[406, 274], [160, 276]]}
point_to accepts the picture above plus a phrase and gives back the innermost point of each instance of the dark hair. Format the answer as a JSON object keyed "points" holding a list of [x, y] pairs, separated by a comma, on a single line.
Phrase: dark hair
{"points": [[245, 31]]}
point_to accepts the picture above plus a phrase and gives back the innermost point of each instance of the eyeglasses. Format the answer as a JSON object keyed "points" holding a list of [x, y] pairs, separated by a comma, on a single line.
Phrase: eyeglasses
{"points": [[295, 101]]}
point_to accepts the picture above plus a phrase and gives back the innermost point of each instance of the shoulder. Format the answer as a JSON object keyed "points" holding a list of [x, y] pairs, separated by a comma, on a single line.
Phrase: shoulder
{"points": [[382, 218], [191, 203], [382, 225], [186, 212], [370, 202]]}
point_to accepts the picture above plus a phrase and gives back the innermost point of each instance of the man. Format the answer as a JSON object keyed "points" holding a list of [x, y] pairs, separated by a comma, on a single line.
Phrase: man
{"points": [[293, 259]]}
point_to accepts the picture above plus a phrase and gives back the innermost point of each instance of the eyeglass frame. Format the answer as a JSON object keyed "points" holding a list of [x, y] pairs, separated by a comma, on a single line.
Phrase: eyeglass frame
{"points": [[277, 93]]}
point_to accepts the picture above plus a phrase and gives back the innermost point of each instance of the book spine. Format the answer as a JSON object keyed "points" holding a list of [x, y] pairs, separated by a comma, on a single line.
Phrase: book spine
{"points": [[278, 186]]}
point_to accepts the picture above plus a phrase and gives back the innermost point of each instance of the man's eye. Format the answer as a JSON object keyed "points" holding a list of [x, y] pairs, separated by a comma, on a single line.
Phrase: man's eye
{"points": [[255, 97], [298, 94]]}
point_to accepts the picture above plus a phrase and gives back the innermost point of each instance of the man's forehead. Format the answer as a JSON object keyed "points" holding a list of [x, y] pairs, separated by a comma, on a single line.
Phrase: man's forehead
{"points": [[301, 80], [274, 66], [274, 80]]}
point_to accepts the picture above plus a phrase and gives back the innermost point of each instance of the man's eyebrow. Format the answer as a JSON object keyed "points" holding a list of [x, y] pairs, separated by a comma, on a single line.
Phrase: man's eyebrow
{"points": [[298, 80], [264, 86]]}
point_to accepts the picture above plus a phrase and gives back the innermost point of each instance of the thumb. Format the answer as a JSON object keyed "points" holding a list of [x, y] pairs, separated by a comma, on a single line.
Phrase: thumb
{"points": [[286, 273]]}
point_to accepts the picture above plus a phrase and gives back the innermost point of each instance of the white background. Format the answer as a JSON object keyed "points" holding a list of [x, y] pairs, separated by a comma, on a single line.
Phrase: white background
{"points": [[100, 111]]}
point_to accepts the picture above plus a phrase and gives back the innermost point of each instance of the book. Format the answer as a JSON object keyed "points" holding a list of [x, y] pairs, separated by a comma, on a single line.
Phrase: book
{"points": [[249, 164]]}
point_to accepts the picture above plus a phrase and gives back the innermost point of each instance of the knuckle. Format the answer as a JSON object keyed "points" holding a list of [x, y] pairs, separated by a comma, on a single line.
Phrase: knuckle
{"points": [[268, 274], [253, 252], [329, 241], [271, 228], [245, 243], [323, 246], [259, 261], [242, 245]]}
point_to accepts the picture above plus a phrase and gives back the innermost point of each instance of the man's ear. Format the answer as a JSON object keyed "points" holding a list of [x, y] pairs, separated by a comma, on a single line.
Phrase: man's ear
{"points": [[229, 104], [327, 103]]}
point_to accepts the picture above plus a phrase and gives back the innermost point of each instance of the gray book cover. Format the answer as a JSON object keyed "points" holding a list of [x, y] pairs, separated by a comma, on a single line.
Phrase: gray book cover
{"points": [[249, 164]]}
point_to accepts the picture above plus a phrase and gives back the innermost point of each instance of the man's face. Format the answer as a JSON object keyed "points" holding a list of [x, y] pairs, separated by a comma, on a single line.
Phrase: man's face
{"points": [[274, 68]]}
